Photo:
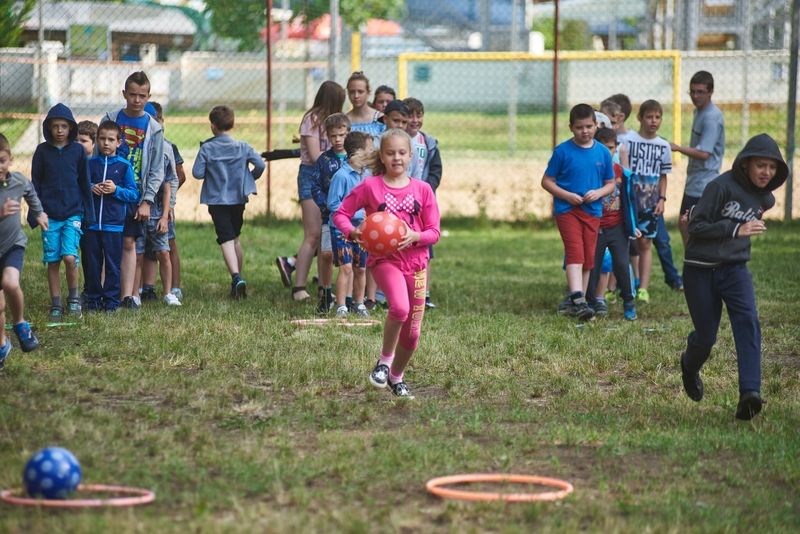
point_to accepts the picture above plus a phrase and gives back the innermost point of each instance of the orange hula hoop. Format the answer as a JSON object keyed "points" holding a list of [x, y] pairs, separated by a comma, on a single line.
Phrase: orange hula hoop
{"points": [[334, 322], [434, 486], [133, 497]]}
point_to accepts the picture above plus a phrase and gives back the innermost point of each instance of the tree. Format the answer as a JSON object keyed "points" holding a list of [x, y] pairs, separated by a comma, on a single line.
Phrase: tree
{"points": [[13, 15], [240, 19], [574, 34], [354, 12]]}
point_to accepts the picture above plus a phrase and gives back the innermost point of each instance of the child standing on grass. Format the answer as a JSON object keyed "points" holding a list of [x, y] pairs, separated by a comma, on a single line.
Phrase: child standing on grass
{"points": [[617, 228], [728, 212], [13, 188], [59, 172], [426, 162], [113, 188], [383, 95], [87, 133], [349, 256], [401, 275], [578, 175], [223, 164], [143, 147], [650, 160], [153, 246], [313, 142], [337, 126], [363, 117]]}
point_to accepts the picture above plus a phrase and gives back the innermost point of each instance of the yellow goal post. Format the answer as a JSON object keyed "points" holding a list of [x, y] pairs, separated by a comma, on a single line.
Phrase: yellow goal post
{"points": [[674, 56]]}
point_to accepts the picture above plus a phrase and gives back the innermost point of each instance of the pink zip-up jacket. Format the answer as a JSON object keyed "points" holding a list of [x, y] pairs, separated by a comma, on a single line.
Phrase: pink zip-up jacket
{"points": [[415, 204]]}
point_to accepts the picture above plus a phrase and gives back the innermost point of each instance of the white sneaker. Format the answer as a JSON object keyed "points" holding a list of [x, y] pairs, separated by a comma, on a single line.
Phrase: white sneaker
{"points": [[137, 301], [341, 311], [177, 292], [171, 300]]}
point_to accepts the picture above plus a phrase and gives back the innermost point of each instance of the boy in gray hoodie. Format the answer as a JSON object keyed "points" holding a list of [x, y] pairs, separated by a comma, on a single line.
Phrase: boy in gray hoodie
{"points": [[223, 164], [729, 211]]}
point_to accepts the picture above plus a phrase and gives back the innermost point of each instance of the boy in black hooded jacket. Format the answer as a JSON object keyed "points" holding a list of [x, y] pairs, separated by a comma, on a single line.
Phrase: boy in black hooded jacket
{"points": [[715, 268]]}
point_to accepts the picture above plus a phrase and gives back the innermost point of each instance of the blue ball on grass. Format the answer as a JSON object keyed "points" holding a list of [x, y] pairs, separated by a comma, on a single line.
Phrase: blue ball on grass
{"points": [[51, 473]]}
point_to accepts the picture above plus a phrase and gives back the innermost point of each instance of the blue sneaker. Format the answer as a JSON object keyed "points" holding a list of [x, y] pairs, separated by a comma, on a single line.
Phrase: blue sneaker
{"points": [[629, 311], [4, 350], [27, 339]]}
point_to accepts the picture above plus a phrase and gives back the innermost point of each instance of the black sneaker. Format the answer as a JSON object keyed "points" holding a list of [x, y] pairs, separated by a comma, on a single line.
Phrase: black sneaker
{"points": [[379, 376], [129, 303], [239, 289], [370, 304], [326, 301], [565, 307], [285, 269], [582, 309], [750, 404], [692, 383], [27, 339], [428, 304], [148, 293], [400, 389]]}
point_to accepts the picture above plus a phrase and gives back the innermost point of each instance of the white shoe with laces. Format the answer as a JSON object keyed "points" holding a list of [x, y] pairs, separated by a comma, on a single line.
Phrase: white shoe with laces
{"points": [[171, 300]]}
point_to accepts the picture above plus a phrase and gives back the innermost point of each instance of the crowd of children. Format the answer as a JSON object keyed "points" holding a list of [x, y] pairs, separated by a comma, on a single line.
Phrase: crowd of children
{"points": [[104, 197]]}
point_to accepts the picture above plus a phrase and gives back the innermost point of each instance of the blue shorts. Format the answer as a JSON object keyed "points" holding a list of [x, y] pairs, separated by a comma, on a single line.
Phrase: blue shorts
{"points": [[305, 179], [152, 241], [171, 230], [345, 251], [62, 238], [14, 258]]}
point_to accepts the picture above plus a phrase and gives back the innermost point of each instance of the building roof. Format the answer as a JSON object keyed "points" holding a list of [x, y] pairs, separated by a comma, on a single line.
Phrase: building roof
{"points": [[127, 18]]}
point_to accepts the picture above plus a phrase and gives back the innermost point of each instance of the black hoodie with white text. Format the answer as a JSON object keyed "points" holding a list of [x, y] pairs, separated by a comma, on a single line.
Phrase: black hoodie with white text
{"points": [[728, 201]]}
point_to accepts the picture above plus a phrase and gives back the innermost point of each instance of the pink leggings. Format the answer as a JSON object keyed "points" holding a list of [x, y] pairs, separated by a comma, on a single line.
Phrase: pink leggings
{"points": [[406, 295]]}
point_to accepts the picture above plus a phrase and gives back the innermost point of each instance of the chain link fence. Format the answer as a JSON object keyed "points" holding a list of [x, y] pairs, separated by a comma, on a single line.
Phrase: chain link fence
{"points": [[484, 70]]}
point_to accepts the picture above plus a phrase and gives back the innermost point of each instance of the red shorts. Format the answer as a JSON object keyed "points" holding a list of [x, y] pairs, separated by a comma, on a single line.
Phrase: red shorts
{"points": [[579, 233]]}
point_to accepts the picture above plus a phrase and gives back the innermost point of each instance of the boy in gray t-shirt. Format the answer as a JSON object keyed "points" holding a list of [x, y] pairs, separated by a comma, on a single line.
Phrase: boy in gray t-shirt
{"points": [[707, 145], [13, 188]]}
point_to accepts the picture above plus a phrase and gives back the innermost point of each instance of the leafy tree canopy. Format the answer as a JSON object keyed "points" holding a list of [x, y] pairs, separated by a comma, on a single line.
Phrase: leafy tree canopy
{"points": [[13, 15]]}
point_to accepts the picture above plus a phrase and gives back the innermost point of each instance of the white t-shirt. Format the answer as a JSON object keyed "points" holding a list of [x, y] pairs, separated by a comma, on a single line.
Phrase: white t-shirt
{"points": [[419, 153]]}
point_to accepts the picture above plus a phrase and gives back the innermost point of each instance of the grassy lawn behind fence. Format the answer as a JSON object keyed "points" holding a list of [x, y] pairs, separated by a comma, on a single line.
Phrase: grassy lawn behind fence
{"points": [[242, 422]]}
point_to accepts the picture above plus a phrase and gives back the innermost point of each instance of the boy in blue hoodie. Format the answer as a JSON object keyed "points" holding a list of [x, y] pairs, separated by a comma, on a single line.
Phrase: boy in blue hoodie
{"points": [[114, 187], [143, 147], [59, 173]]}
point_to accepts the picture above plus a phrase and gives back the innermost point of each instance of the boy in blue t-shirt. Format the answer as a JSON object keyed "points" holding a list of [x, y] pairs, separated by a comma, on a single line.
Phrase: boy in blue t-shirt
{"points": [[59, 173], [579, 174], [337, 126]]}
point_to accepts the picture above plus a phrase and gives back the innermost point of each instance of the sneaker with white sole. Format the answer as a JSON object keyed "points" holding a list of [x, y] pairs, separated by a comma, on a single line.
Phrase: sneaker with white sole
{"points": [[362, 311], [379, 376], [171, 300], [285, 270], [177, 292], [342, 311], [400, 389]]}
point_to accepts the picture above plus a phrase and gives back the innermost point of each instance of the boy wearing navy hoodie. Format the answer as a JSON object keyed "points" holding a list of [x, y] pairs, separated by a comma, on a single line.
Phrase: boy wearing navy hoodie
{"points": [[114, 188], [729, 211], [59, 173]]}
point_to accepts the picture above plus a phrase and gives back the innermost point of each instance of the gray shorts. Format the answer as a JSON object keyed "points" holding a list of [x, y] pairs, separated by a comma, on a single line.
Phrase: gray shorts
{"points": [[152, 241]]}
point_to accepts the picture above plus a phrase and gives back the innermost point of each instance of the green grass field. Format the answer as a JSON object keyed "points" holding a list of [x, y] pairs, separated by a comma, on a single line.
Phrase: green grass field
{"points": [[242, 422]]}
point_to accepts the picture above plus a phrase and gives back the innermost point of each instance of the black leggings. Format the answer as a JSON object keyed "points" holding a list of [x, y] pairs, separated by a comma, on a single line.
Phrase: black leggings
{"points": [[618, 244]]}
